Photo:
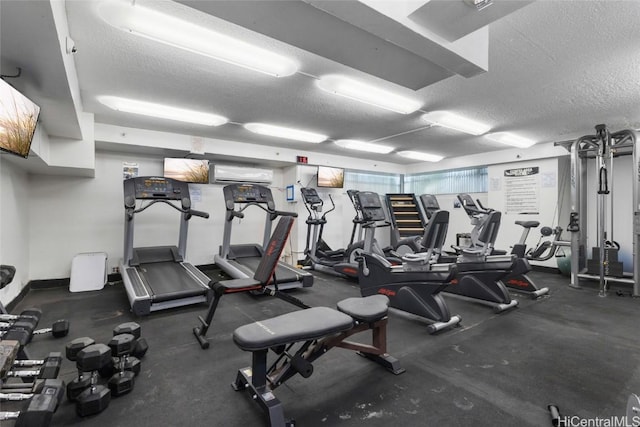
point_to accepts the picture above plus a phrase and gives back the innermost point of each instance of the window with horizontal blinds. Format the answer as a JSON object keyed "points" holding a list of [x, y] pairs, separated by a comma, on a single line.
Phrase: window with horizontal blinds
{"points": [[456, 181], [380, 183]]}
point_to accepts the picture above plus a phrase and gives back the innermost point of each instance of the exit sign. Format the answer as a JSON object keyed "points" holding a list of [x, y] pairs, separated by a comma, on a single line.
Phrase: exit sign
{"points": [[302, 159]]}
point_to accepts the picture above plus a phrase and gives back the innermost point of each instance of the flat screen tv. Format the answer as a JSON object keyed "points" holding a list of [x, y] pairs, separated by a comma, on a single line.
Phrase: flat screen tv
{"points": [[18, 120], [187, 170], [330, 177]]}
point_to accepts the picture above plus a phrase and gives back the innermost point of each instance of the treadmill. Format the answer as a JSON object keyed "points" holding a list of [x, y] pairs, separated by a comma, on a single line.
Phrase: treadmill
{"points": [[241, 261], [157, 278]]}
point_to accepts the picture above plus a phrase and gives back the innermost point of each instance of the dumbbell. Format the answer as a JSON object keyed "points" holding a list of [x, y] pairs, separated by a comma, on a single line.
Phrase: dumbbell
{"points": [[122, 381], [34, 387], [28, 314], [59, 329], [141, 345], [53, 387], [49, 367], [75, 387], [38, 413], [95, 398], [23, 336]]}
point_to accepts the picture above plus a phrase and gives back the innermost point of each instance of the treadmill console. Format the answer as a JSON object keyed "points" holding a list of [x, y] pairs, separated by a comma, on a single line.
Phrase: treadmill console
{"points": [[153, 187], [247, 193], [371, 206]]}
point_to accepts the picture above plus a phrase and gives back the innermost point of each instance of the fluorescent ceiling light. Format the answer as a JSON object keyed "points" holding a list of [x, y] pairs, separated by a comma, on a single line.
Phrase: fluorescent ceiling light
{"points": [[287, 133], [353, 144], [453, 121], [148, 23], [510, 139], [417, 155], [162, 111], [353, 89]]}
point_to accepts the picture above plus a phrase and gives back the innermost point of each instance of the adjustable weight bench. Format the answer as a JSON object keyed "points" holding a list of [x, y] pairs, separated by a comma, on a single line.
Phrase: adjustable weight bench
{"points": [[300, 337], [262, 277]]}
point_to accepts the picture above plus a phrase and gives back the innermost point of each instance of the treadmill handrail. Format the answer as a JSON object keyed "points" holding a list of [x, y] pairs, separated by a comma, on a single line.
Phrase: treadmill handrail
{"points": [[188, 211], [274, 213]]}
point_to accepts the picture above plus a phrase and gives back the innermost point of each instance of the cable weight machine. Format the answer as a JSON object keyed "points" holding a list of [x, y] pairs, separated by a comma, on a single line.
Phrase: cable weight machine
{"points": [[603, 147]]}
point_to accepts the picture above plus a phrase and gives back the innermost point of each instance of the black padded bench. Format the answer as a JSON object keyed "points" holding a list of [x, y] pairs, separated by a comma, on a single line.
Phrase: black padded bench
{"points": [[264, 275], [300, 337]]}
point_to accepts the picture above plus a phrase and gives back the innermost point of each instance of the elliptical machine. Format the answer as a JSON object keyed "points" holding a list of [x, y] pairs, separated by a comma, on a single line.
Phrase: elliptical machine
{"points": [[319, 256]]}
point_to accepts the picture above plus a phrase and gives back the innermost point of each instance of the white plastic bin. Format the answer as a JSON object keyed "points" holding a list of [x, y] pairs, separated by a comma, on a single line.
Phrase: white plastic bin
{"points": [[88, 272]]}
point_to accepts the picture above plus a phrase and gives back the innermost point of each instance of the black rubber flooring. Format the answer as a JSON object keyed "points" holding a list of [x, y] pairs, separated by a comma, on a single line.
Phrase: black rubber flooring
{"points": [[573, 349]]}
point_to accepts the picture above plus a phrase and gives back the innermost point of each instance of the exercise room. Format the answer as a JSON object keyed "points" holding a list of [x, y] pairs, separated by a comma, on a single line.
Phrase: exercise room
{"points": [[311, 213]]}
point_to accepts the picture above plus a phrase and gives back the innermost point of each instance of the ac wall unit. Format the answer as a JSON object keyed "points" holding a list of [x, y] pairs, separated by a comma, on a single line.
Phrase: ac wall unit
{"points": [[227, 174]]}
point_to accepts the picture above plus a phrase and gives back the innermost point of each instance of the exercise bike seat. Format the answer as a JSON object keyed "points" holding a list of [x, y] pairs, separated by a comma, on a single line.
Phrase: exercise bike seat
{"points": [[528, 224], [303, 325]]}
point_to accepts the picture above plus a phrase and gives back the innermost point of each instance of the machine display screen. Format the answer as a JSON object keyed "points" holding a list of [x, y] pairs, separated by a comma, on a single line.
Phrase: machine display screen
{"points": [[243, 193], [156, 188]]}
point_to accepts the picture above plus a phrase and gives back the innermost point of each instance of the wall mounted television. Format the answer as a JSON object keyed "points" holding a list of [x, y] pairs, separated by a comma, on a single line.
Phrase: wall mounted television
{"points": [[18, 120], [330, 177], [187, 170]]}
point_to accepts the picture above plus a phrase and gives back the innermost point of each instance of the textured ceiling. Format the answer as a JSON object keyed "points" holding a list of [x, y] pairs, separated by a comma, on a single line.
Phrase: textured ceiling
{"points": [[556, 68]]}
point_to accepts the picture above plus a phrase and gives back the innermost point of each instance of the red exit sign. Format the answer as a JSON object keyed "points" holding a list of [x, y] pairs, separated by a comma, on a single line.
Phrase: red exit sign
{"points": [[302, 159]]}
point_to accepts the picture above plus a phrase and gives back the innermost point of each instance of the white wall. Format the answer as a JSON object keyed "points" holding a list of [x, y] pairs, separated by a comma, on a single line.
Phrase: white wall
{"points": [[70, 215], [548, 184], [14, 224]]}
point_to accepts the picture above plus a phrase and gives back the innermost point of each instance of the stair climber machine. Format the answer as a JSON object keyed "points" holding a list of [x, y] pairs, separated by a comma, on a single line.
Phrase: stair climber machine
{"points": [[319, 256], [158, 278], [517, 279], [414, 286], [241, 261], [407, 222]]}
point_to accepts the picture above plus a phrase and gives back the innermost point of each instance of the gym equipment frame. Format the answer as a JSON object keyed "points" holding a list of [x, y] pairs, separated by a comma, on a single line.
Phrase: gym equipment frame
{"points": [[603, 147]]}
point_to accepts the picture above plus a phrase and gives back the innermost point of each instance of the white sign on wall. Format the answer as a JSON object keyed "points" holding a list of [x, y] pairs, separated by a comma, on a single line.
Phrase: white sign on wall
{"points": [[522, 190], [129, 170]]}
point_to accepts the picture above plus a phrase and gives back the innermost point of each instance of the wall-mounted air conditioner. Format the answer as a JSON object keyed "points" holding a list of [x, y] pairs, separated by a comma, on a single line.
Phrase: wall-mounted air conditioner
{"points": [[226, 174]]}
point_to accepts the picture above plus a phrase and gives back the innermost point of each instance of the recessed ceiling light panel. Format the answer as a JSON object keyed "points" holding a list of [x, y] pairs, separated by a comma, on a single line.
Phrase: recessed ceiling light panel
{"points": [[284, 132], [510, 139], [162, 111], [454, 121], [170, 30], [368, 94], [353, 144], [418, 155]]}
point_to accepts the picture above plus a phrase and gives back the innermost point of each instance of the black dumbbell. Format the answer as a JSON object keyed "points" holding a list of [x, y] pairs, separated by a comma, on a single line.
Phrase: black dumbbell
{"points": [[122, 381], [38, 413], [21, 335], [79, 384], [28, 314], [59, 329], [95, 398], [26, 323], [49, 367], [141, 345], [54, 387]]}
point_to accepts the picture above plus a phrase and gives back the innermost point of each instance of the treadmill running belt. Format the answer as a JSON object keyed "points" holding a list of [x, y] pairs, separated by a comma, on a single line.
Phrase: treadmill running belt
{"points": [[170, 281], [283, 275]]}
